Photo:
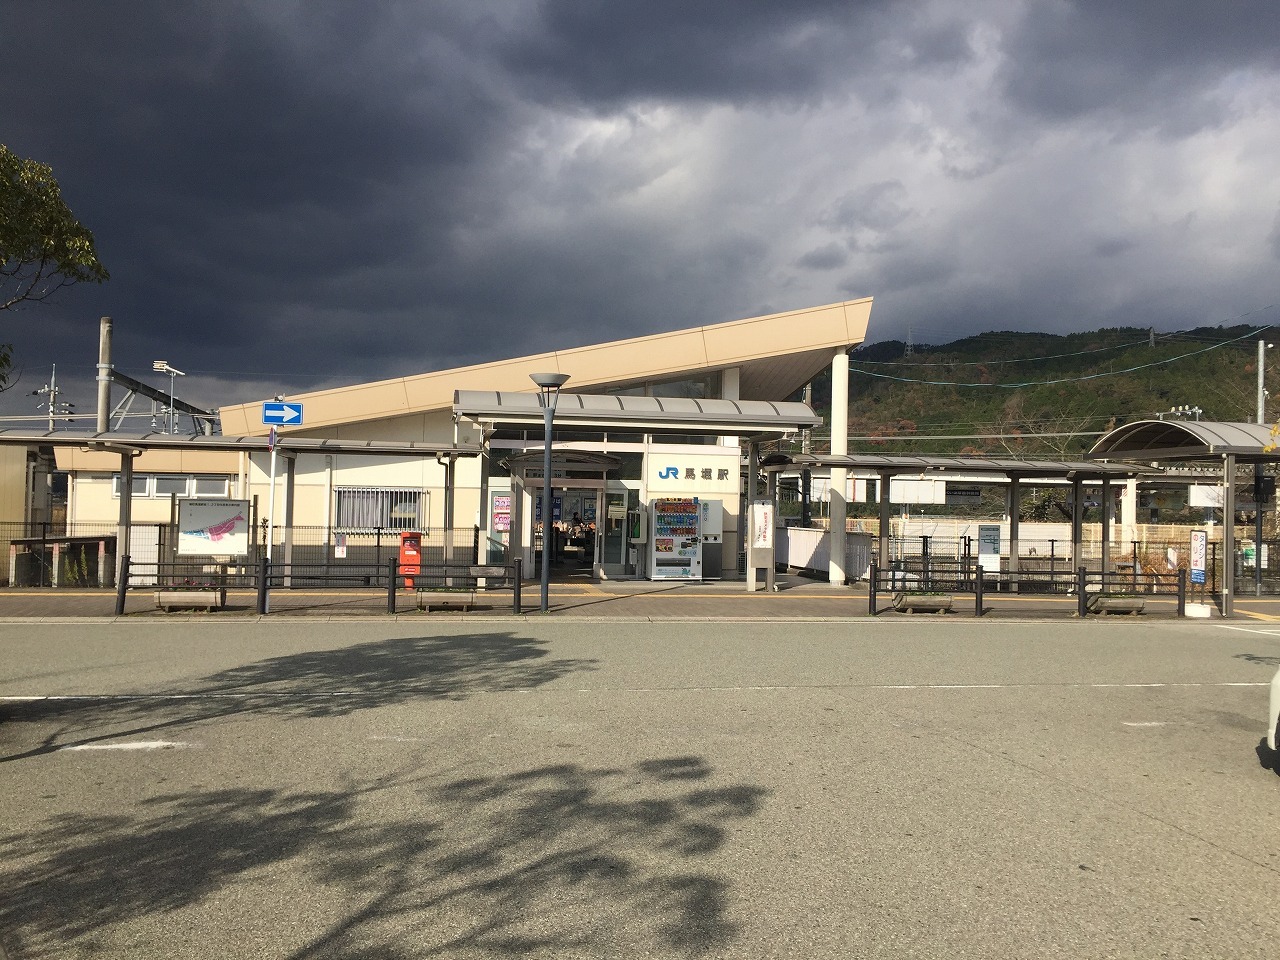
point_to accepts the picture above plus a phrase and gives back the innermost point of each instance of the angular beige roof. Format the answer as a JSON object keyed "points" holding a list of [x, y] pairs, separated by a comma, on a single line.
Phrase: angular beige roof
{"points": [[777, 355]]}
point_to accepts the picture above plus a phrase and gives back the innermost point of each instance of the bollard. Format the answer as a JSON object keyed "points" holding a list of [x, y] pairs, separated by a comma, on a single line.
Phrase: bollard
{"points": [[977, 593], [1082, 601], [123, 586], [264, 571], [515, 586], [393, 575], [873, 579], [1182, 593]]}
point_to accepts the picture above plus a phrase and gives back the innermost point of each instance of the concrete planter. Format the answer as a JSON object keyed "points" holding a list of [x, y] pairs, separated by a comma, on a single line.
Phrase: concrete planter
{"points": [[908, 602], [194, 598], [1107, 603]]}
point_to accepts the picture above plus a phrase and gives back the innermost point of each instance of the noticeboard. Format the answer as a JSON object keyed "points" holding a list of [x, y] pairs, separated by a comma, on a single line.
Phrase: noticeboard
{"points": [[213, 528]]}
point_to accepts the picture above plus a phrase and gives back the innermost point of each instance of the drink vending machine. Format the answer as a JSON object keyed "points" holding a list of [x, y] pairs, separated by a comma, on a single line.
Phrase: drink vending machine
{"points": [[675, 551]]}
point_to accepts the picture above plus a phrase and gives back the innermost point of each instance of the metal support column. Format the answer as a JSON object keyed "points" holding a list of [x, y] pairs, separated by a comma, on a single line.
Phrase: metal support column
{"points": [[1228, 534], [839, 475]]}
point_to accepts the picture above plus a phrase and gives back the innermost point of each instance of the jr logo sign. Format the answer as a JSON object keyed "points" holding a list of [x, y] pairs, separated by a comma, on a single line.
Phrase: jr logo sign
{"points": [[668, 473]]}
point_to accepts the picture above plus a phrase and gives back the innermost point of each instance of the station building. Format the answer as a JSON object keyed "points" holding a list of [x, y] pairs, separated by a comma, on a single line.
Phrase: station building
{"points": [[664, 417]]}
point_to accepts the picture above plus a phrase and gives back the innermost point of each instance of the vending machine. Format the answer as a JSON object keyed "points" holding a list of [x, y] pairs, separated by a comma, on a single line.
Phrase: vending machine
{"points": [[675, 551]]}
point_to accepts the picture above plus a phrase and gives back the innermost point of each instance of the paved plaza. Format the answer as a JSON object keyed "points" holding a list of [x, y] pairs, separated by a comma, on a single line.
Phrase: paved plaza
{"points": [[585, 787]]}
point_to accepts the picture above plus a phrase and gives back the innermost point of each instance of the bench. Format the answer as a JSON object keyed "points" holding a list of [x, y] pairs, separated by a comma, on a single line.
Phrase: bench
{"points": [[482, 591]]}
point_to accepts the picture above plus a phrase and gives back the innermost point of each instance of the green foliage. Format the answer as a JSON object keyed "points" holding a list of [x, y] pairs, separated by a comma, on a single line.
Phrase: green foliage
{"points": [[1042, 395], [42, 246]]}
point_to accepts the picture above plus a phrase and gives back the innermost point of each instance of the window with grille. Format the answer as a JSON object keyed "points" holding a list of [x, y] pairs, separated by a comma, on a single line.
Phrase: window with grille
{"points": [[370, 508]]}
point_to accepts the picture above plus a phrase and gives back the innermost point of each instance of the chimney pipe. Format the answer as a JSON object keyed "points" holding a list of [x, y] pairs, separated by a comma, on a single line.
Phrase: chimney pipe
{"points": [[104, 375]]}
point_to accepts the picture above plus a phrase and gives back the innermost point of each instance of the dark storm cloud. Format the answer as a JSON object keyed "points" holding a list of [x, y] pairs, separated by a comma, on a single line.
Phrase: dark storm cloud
{"points": [[298, 194], [1158, 62], [724, 52]]}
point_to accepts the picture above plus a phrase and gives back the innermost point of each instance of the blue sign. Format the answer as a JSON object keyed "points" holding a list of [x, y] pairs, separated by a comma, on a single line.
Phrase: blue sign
{"points": [[277, 411]]}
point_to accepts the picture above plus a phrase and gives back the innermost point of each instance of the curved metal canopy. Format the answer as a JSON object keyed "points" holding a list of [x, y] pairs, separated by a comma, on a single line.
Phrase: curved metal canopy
{"points": [[1176, 440]]}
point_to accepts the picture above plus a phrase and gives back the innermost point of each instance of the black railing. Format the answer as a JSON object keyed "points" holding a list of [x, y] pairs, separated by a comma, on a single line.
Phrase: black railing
{"points": [[1096, 591], [266, 576]]}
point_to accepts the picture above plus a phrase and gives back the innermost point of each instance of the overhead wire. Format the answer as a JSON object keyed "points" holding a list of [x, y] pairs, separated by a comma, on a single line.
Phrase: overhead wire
{"points": [[1080, 379], [984, 363]]}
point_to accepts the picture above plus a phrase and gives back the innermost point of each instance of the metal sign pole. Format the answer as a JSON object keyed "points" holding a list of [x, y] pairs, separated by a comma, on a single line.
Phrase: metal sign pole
{"points": [[271, 496]]}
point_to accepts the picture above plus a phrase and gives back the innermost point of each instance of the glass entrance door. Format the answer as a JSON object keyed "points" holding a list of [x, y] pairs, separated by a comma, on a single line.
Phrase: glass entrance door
{"points": [[614, 549]]}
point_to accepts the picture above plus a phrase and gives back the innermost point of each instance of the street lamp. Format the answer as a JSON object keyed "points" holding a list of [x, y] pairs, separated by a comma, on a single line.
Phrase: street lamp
{"points": [[549, 385], [162, 366]]}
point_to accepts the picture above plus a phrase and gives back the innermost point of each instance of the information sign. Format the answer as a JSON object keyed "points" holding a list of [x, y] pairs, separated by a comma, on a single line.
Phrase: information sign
{"points": [[213, 528], [278, 411], [1199, 548]]}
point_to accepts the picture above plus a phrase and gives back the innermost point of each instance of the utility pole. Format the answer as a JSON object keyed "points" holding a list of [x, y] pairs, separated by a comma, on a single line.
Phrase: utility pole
{"points": [[55, 408]]}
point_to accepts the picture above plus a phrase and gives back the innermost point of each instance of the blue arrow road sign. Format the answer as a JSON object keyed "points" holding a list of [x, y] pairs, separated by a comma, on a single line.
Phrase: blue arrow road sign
{"points": [[275, 411]]}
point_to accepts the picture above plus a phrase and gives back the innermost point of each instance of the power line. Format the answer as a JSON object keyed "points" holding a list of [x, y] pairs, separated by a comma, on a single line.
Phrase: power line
{"points": [[1080, 379], [987, 363]]}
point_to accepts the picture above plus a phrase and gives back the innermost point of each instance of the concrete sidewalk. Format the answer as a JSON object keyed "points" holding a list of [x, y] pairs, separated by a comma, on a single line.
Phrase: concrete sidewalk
{"points": [[797, 598]]}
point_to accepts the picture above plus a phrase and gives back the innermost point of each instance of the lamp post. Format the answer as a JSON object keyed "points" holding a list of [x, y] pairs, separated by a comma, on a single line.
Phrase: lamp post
{"points": [[162, 366], [549, 385]]}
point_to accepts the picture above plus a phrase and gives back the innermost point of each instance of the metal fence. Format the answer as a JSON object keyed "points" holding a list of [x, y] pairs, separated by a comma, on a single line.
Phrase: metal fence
{"points": [[1046, 559], [928, 583], [80, 554]]}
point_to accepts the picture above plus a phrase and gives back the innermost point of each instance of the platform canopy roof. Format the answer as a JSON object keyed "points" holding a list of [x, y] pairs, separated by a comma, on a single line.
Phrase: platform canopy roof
{"points": [[116, 441], [1186, 440], [680, 415], [562, 459], [960, 465]]}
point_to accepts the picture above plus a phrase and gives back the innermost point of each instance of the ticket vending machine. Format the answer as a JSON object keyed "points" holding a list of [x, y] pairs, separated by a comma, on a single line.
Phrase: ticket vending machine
{"points": [[410, 556], [675, 551]]}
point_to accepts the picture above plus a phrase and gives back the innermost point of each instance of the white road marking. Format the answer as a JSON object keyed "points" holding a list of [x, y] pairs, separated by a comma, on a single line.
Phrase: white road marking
{"points": [[1270, 632], [1149, 723], [135, 745], [401, 739]]}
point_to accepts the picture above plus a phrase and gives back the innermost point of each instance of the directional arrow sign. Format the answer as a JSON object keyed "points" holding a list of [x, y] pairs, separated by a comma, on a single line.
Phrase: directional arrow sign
{"points": [[276, 411]]}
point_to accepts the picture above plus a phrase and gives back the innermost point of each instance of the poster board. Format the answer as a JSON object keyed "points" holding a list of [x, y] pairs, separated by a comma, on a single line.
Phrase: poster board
{"points": [[989, 547], [213, 527]]}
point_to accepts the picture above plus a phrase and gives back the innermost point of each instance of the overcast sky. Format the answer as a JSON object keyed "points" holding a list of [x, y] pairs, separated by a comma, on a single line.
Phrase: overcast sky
{"points": [[291, 195]]}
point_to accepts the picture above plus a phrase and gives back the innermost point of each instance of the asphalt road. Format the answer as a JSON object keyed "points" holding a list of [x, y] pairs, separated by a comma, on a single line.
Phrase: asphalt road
{"points": [[885, 788]]}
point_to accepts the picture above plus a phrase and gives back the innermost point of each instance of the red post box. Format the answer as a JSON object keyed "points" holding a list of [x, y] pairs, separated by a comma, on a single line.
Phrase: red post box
{"points": [[410, 557]]}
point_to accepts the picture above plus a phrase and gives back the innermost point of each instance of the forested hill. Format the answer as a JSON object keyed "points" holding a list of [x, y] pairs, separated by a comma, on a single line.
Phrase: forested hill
{"points": [[1035, 394]]}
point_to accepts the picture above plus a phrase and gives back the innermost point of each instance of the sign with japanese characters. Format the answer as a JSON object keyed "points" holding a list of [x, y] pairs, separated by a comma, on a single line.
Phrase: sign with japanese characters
{"points": [[696, 473], [213, 528], [1199, 549]]}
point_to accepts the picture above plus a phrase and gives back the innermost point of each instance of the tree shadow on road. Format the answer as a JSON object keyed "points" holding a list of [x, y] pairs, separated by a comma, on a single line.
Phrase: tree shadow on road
{"points": [[322, 683], [608, 861]]}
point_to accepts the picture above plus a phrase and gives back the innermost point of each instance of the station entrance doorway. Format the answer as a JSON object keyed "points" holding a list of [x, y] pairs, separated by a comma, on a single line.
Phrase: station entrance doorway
{"points": [[580, 532]]}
